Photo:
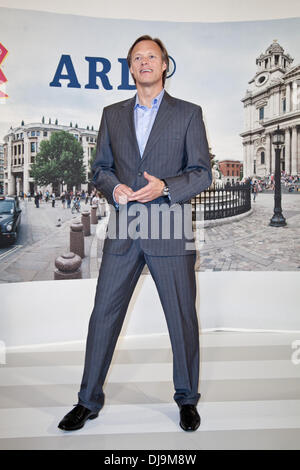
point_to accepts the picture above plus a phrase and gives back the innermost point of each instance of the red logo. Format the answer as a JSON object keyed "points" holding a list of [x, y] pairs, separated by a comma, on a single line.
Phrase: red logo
{"points": [[3, 79]]}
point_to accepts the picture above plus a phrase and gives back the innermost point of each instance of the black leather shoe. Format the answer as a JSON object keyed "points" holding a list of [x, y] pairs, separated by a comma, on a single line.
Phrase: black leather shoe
{"points": [[189, 418], [76, 418]]}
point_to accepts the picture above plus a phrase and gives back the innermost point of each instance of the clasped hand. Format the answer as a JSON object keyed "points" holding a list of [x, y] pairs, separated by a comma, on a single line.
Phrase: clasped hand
{"points": [[152, 190]]}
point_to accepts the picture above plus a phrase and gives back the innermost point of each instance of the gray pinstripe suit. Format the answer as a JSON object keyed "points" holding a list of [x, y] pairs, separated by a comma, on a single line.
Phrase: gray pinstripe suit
{"points": [[176, 151]]}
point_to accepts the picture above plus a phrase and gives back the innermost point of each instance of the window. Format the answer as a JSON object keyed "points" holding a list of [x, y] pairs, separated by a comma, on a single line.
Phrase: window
{"points": [[284, 105], [32, 147], [32, 133], [262, 158], [45, 133], [261, 113]]}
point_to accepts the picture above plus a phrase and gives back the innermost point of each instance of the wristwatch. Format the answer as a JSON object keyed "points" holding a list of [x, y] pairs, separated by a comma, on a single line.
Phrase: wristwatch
{"points": [[166, 191]]}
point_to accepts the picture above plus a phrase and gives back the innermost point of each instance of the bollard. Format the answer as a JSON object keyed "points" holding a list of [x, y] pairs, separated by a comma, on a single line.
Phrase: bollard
{"points": [[68, 267], [77, 239], [94, 217], [86, 222]]}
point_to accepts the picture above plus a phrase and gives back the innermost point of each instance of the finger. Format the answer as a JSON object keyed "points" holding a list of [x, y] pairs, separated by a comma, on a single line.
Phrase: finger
{"points": [[123, 199], [148, 176], [126, 189], [141, 196], [140, 193]]}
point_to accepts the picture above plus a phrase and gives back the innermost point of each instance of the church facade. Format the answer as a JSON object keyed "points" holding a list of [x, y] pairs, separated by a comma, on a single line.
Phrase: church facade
{"points": [[272, 99]]}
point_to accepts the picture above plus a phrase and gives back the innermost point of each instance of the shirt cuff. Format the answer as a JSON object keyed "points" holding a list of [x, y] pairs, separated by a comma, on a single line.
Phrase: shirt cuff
{"points": [[113, 195]]}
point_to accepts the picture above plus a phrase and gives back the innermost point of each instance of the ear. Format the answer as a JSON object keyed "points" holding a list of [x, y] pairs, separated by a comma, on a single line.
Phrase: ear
{"points": [[164, 66]]}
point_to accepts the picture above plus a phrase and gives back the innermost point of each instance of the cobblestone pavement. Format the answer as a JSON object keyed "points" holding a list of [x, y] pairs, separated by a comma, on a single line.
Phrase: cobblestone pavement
{"points": [[250, 244], [40, 242]]}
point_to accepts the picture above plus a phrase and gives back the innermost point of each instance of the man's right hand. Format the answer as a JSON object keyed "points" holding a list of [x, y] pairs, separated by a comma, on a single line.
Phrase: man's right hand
{"points": [[122, 193]]}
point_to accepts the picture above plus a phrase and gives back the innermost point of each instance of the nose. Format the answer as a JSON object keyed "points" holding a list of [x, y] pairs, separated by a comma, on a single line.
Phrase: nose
{"points": [[144, 60]]}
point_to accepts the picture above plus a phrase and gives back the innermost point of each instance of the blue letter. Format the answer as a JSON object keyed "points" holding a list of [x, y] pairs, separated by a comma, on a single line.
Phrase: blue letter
{"points": [[71, 75], [93, 74], [125, 76]]}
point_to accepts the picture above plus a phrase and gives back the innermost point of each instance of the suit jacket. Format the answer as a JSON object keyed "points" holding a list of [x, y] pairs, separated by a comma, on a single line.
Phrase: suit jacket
{"points": [[176, 151]]}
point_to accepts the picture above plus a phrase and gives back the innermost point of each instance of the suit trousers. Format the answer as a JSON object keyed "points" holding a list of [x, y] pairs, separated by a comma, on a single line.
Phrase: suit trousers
{"points": [[174, 277]]}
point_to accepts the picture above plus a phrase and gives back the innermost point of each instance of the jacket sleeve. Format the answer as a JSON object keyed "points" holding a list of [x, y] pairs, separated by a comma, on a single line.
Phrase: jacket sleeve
{"points": [[197, 174], [103, 169]]}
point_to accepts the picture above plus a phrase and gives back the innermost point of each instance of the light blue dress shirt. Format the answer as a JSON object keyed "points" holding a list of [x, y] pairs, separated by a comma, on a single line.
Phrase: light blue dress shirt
{"points": [[144, 118]]}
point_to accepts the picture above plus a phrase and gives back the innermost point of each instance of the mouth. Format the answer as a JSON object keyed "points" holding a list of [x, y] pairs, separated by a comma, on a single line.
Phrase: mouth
{"points": [[146, 71]]}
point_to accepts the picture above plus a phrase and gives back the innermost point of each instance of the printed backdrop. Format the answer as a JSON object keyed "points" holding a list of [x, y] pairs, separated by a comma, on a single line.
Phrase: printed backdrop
{"points": [[51, 70]]}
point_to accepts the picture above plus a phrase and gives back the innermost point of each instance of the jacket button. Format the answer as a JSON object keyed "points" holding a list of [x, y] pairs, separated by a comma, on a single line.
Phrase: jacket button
{"points": [[140, 173]]}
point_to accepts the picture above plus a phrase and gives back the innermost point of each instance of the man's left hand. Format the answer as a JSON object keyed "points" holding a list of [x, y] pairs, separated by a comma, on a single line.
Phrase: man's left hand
{"points": [[151, 191]]}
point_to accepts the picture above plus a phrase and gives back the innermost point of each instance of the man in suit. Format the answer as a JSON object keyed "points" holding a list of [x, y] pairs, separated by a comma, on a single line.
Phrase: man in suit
{"points": [[152, 158]]}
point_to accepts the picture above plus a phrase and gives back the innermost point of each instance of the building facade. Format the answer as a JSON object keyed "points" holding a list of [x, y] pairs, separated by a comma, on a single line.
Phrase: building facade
{"points": [[21, 146], [272, 99], [231, 170]]}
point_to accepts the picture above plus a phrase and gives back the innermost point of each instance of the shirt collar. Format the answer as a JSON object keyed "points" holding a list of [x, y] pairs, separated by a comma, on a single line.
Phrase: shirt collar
{"points": [[155, 102]]}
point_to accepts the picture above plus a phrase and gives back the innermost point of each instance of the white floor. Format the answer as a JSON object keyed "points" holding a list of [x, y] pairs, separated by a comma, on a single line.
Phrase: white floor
{"points": [[250, 395]]}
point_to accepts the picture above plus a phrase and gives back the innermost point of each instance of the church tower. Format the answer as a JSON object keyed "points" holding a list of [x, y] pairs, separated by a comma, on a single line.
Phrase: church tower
{"points": [[272, 99]]}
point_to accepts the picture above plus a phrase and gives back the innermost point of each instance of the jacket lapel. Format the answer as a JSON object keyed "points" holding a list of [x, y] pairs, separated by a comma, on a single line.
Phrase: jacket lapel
{"points": [[127, 120]]}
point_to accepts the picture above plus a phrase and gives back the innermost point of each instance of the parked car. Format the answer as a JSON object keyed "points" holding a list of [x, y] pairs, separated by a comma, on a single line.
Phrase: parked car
{"points": [[10, 218]]}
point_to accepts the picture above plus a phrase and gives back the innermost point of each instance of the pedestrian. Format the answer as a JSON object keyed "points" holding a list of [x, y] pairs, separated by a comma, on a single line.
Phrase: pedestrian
{"points": [[151, 150], [53, 199], [255, 190], [37, 200], [68, 199], [63, 199]]}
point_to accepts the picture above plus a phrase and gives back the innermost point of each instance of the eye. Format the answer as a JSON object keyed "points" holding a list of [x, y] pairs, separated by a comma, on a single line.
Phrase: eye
{"points": [[137, 58]]}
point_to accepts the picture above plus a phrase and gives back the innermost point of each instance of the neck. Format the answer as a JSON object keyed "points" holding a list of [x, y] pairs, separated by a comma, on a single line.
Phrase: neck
{"points": [[146, 94]]}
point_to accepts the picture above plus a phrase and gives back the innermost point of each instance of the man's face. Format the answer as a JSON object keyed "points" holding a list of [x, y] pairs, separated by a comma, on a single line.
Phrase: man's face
{"points": [[147, 66]]}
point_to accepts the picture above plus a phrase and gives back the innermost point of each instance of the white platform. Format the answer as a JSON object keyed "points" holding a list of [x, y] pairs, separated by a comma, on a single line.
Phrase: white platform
{"points": [[58, 311]]}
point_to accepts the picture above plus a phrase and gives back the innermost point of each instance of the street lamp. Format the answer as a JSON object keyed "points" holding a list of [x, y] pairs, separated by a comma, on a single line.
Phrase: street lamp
{"points": [[277, 140]]}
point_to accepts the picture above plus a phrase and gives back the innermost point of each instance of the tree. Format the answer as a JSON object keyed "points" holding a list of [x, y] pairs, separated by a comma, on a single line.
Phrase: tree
{"points": [[60, 160], [92, 159]]}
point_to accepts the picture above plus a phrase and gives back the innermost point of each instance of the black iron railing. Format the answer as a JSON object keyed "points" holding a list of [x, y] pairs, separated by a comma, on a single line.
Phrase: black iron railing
{"points": [[219, 203]]}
